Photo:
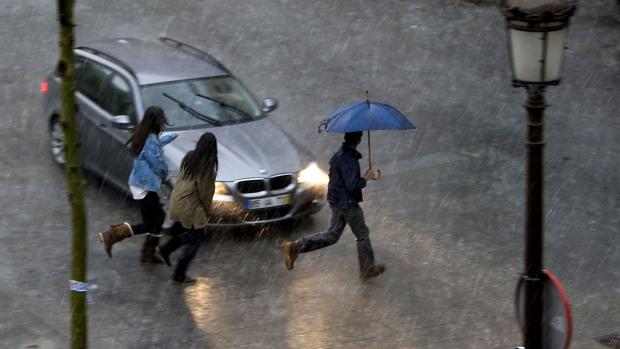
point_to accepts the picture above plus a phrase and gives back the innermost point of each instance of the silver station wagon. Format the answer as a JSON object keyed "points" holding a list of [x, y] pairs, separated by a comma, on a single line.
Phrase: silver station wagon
{"points": [[264, 175]]}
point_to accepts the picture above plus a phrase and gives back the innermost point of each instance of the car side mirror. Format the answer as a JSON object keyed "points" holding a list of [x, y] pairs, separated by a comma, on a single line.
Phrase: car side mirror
{"points": [[269, 105], [122, 122]]}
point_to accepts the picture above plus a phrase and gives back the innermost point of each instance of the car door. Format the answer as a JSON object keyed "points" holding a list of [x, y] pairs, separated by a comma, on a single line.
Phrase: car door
{"points": [[118, 101], [90, 81], [103, 93]]}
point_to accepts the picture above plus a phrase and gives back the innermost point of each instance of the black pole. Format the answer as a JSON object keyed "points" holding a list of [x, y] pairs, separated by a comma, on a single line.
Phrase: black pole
{"points": [[534, 239]]}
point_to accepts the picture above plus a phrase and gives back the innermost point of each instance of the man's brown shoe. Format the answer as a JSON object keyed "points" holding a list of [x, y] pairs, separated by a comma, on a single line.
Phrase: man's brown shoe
{"points": [[374, 271], [290, 254]]}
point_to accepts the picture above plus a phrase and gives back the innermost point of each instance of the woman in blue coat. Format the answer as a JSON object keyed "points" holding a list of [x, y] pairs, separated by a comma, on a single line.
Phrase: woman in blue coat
{"points": [[149, 169]]}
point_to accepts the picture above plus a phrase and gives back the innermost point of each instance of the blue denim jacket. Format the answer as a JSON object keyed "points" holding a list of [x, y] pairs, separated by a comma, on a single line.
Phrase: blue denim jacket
{"points": [[149, 167], [345, 183]]}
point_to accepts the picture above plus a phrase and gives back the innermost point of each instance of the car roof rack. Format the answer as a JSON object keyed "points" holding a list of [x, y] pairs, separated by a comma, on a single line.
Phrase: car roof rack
{"points": [[196, 52], [108, 57]]}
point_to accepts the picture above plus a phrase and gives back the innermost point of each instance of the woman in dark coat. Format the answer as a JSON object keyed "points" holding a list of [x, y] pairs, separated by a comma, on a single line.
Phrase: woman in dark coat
{"points": [[189, 205]]}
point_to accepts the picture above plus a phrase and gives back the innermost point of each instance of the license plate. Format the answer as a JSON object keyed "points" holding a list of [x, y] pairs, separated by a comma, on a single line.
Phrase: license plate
{"points": [[272, 201]]}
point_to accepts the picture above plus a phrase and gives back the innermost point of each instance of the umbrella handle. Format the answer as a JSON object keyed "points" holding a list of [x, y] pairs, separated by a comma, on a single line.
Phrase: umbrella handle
{"points": [[378, 174]]}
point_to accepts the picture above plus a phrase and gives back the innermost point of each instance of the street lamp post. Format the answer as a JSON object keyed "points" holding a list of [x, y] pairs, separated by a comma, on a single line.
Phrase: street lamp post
{"points": [[536, 34]]}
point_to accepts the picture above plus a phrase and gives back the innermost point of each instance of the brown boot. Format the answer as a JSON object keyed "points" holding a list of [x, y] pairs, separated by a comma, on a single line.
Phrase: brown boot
{"points": [[116, 233], [148, 249], [291, 251]]}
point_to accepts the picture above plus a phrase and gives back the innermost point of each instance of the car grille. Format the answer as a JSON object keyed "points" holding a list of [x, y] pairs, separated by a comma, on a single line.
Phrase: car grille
{"points": [[280, 182], [251, 186]]}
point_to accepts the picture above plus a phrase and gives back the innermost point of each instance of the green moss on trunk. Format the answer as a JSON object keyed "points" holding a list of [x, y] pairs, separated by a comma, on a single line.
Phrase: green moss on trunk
{"points": [[73, 173]]}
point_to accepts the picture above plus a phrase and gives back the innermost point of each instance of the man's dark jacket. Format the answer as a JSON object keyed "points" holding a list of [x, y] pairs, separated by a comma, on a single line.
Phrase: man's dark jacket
{"points": [[345, 182]]}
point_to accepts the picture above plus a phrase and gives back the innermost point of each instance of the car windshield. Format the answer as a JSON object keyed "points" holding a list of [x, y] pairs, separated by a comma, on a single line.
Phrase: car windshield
{"points": [[200, 103]]}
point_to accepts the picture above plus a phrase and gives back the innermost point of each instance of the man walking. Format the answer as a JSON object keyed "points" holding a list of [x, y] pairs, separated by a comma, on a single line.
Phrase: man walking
{"points": [[344, 192]]}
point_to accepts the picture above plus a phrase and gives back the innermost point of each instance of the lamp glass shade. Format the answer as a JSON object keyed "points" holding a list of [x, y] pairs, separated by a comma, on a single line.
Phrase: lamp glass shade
{"points": [[537, 55], [555, 50]]}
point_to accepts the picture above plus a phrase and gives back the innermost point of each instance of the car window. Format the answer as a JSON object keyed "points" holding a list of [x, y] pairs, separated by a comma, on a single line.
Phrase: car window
{"points": [[91, 79], [80, 62], [201, 103], [118, 97], [80, 65]]}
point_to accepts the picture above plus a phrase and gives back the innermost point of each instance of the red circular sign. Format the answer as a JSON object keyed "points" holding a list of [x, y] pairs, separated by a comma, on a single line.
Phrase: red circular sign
{"points": [[557, 321]]}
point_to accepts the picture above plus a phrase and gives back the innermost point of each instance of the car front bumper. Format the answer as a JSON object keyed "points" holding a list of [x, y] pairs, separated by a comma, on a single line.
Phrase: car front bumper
{"points": [[230, 211]]}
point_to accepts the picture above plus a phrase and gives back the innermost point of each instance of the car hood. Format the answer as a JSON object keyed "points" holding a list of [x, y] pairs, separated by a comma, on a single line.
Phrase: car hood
{"points": [[249, 150]]}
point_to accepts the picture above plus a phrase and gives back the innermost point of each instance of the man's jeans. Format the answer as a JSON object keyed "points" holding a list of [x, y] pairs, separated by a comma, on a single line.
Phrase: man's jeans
{"points": [[340, 218]]}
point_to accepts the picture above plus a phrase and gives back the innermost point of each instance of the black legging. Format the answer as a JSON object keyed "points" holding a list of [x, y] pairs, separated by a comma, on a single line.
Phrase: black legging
{"points": [[192, 238], [153, 215]]}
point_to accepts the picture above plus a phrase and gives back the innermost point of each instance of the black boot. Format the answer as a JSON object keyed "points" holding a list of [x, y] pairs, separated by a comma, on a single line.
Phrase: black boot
{"points": [[164, 257], [192, 241], [163, 252], [184, 281]]}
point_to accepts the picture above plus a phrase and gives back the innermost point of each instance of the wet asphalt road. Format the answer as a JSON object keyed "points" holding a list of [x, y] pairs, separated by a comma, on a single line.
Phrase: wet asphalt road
{"points": [[446, 217]]}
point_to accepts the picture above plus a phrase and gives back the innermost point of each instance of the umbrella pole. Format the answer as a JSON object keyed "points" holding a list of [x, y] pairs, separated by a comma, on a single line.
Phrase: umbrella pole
{"points": [[369, 154]]}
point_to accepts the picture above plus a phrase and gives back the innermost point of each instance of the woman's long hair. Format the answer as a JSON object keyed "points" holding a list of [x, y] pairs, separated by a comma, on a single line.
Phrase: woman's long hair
{"points": [[152, 122], [202, 161]]}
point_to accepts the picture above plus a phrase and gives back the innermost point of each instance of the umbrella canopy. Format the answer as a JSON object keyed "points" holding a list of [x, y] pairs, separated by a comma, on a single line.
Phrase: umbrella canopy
{"points": [[365, 116]]}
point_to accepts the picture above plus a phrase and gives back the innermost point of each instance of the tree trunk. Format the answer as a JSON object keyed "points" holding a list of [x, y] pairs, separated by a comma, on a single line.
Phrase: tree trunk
{"points": [[73, 173]]}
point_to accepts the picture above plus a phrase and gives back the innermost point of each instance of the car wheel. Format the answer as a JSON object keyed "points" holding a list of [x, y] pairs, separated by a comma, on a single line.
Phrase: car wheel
{"points": [[57, 141]]}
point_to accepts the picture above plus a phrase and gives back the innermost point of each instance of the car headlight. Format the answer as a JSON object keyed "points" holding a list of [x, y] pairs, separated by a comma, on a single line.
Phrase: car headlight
{"points": [[221, 189], [312, 175]]}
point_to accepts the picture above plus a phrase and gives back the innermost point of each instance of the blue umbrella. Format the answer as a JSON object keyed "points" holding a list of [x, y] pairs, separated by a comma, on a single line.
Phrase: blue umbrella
{"points": [[366, 116]]}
